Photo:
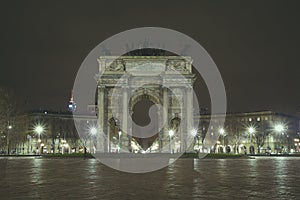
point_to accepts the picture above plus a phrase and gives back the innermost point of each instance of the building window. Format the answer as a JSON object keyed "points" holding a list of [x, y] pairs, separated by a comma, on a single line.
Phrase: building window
{"points": [[258, 119], [266, 118]]}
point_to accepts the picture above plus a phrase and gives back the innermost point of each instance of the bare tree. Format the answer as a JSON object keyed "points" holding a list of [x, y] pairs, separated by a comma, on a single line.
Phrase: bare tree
{"points": [[261, 134], [235, 133], [7, 113], [13, 125], [7, 108]]}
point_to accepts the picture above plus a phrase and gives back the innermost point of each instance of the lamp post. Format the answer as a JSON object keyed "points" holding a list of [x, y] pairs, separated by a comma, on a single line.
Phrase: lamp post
{"points": [[39, 130], [279, 129], [222, 132], [251, 131], [268, 147], [120, 133], [171, 133], [28, 140], [9, 127], [93, 132], [194, 133]]}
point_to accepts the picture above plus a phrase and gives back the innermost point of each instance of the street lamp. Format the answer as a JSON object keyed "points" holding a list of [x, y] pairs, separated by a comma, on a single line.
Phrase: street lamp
{"points": [[222, 132], [120, 133], [251, 130], [279, 128], [28, 138], [93, 132], [9, 127], [171, 133], [194, 133], [39, 129]]}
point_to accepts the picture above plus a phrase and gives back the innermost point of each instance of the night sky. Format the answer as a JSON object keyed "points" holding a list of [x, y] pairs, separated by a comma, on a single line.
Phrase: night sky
{"points": [[255, 45]]}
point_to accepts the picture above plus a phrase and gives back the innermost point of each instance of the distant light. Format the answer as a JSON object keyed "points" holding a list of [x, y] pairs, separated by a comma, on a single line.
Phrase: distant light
{"points": [[71, 106], [171, 133], [39, 129], [279, 128], [93, 130], [194, 132], [251, 130], [258, 119], [10, 127], [221, 131], [120, 133]]}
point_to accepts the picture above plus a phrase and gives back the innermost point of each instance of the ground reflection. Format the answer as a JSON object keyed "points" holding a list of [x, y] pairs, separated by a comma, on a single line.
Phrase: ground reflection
{"points": [[261, 178], [36, 171]]}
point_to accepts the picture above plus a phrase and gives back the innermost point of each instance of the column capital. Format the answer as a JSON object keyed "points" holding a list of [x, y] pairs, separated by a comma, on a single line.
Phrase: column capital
{"points": [[189, 87], [101, 87], [125, 87]]}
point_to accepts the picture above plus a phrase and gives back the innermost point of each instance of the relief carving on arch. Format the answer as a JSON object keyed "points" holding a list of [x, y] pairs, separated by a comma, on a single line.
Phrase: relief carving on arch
{"points": [[176, 65], [116, 66]]}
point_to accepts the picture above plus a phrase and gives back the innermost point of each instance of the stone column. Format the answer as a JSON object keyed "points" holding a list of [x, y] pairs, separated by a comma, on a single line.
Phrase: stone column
{"points": [[189, 116], [160, 125], [101, 113], [125, 117], [108, 138], [165, 118]]}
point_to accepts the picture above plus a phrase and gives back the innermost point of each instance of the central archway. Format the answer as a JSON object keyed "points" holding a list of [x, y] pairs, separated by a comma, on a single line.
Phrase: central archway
{"points": [[140, 104]]}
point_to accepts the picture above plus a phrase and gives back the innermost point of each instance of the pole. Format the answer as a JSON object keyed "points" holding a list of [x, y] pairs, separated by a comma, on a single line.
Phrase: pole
{"points": [[28, 146], [119, 143], [7, 142], [40, 147], [224, 148], [170, 144], [90, 143]]}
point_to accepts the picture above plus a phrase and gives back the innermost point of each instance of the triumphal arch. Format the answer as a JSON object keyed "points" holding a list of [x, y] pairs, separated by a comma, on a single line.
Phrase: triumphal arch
{"points": [[166, 81]]}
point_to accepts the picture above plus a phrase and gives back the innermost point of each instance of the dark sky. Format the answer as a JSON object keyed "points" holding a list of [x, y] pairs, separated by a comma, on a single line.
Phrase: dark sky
{"points": [[255, 44]]}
